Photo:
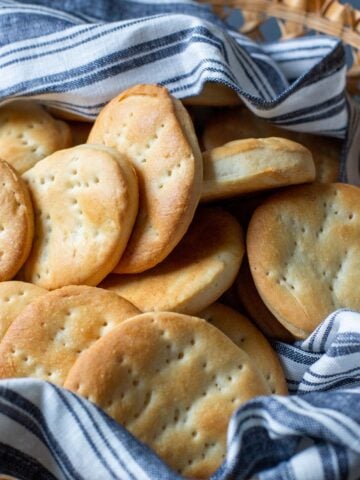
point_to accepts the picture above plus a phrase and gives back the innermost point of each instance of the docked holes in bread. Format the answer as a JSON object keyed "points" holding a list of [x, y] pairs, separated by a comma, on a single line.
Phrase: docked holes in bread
{"points": [[200, 269], [52, 331], [173, 381], [14, 297], [251, 301], [28, 133], [246, 336], [304, 253], [155, 132], [85, 201]]}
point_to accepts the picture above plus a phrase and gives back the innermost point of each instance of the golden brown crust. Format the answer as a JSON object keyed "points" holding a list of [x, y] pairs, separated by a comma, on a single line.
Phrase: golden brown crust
{"points": [[28, 133], [253, 165], [246, 336], [195, 274], [256, 308], [14, 297], [49, 334], [304, 253], [85, 201], [174, 382], [16, 222], [240, 123], [156, 134]]}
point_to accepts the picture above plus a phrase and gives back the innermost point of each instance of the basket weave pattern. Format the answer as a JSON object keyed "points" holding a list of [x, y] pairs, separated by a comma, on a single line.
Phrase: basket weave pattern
{"points": [[297, 17]]}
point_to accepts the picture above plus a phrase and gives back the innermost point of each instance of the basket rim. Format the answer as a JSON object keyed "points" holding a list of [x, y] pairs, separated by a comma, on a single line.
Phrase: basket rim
{"points": [[296, 18]]}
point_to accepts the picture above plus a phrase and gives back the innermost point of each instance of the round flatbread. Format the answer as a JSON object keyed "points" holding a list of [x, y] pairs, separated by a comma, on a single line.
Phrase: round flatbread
{"points": [[195, 274], [14, 297], [254, 165], [173, 381], [154, 130], [85, 201], [257, 310], [28, 133], [48, 336], [16, 222], [304, 253], [239, 123], [246, 336]]}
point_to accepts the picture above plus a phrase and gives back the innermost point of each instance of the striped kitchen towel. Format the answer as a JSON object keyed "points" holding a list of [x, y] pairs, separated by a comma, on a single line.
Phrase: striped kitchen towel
{"points": [[314, 434], [75, 55]]}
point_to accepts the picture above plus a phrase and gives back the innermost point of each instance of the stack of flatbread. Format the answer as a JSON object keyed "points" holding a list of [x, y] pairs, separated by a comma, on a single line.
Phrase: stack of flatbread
{"points": [[118, 239]]}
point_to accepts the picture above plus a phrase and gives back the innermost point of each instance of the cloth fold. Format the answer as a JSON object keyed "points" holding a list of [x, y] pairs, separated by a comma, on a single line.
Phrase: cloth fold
{"points": [[314, 434], [76, 55]]}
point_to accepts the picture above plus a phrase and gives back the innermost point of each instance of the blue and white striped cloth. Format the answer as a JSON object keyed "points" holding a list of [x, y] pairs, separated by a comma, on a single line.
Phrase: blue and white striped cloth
{"points": [[49, 433], [76, 55]]}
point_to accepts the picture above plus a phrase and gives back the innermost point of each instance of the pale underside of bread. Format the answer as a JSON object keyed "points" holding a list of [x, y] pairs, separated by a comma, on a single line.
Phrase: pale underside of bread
{"points": [[252, 165]]}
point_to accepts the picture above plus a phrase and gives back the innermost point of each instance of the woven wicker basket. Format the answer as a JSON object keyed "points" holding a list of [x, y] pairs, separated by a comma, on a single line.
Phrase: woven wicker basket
{"points": [[298, 17]]}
